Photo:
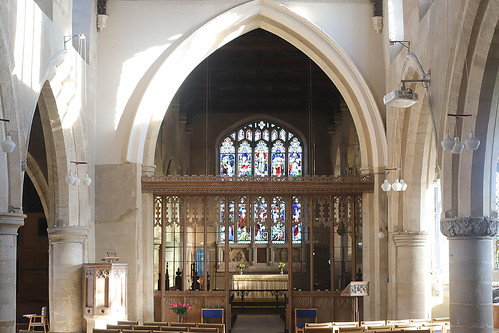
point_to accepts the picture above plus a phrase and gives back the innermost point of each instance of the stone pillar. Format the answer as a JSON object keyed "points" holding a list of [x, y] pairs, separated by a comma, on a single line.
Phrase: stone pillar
{"points": [[411, 274], [66, 253], [9, 223], [470, 272]]}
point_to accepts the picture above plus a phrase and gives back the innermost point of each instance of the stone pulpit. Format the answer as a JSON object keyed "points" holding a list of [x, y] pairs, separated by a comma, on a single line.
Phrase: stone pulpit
{"points": [[105, 293]]}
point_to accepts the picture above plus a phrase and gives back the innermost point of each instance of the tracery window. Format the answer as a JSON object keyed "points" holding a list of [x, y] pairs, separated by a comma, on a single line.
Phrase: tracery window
{"points": [[261, 148]]}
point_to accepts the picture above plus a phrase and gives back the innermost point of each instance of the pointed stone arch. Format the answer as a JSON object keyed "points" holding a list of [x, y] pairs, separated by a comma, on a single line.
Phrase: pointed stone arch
{"points": [[149, 102]]}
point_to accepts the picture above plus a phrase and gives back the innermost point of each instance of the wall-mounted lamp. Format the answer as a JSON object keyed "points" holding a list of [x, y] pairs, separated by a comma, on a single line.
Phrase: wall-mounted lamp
{"points": [[455, 146], [398, 185], [73, 179], [405, 97], [69, 38], [8, 145]]}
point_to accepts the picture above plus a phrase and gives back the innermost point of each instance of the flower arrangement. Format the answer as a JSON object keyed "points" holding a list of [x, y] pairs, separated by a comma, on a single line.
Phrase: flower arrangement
{"points": [[180, 309], [282, 265], [241, 265]]}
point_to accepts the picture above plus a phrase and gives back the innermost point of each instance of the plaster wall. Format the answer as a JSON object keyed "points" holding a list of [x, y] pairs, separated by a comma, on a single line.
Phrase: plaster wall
{"points": [[138, 33]]}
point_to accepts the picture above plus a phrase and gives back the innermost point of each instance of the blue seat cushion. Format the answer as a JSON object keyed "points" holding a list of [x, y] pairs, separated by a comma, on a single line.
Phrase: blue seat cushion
{"points": [[300, 325]]}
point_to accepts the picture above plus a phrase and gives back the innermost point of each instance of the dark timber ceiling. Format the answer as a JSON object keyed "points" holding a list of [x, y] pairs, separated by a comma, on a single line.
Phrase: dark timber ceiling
{"points": [[258, 73]]}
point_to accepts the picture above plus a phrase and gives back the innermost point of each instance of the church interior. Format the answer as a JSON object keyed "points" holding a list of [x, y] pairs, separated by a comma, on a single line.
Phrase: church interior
{"points": [[209, 162]]}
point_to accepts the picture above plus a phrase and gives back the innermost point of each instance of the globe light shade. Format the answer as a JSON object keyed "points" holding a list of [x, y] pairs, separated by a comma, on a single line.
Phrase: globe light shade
{"points": [[404, 185], [381, 234], [472, 143], [458, 146], [70, 178], [386, 186], [447, 143], [397, 186], [87, 180], [76, 181], [8, 145]]}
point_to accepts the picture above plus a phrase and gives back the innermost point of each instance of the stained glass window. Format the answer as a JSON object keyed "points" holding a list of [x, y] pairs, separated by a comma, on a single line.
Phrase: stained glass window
{"points": [[261, 148], [261, 159], [244, 159], [243, 228], [278, 210], [260, 219], [278, 159], [296, 221], [227, 158], [295, 158], [231, 222]]}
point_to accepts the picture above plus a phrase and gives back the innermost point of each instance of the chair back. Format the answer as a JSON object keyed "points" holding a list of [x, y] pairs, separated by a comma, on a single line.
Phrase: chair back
{"points": [[219, 327], [103, 330], [351, 329], [175, 324], [303, 316], [128, 322], [346, 324], [319, 330], [156, 323], [372, 323], [204, 329], [146, 327], [212, 316], [174, 328], [119, 327]]}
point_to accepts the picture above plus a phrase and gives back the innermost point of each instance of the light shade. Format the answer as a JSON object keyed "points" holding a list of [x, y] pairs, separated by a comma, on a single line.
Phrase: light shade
{"points": [[458, 146], [386, 186], [447, 143], [8, 145], [404, 185], [397, 186], [87, 180], [70, 178], [76, 181], [472, 142]]}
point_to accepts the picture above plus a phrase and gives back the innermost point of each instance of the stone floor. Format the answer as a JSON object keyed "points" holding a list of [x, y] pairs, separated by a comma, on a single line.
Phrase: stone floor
{"points": [[260, 323]]}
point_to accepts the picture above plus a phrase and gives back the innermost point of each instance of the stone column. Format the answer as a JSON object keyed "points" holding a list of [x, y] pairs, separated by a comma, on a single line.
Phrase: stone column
{"points": [[411, 273], [66, 253], [9, 223], [470, 272]]}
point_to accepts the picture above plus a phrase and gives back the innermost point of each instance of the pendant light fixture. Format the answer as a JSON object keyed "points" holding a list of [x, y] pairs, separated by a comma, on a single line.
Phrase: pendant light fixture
{"points": [[8, 145], [456, 146], [73, 179]]}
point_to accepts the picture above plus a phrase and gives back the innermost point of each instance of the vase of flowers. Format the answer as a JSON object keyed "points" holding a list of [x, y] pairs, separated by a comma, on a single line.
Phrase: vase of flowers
{"points": [[281, 267], [180, 309], [241, 266]]}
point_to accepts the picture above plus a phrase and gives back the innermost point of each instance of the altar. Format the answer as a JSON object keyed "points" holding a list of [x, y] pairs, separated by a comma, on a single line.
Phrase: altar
{"points": [[255, 282]]}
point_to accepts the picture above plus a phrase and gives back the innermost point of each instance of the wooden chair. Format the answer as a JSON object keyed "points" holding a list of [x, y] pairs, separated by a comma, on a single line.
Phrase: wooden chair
{"points": [[372, 328], [174, 329], [351, 329], [345, 324], [318, 329], [204, 329], [128, 322], [434, 320], [38, 320], [212, 316], [372, 323], [303, 316], [318, 324], [156, 323], [398, 322], [146, 327], [417, 331], [175, 324], [220, 327], [119, 327]]}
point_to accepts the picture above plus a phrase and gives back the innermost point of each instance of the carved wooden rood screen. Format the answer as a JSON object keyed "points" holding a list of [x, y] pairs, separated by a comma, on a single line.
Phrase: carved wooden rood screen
{"points": [[209, 228]]}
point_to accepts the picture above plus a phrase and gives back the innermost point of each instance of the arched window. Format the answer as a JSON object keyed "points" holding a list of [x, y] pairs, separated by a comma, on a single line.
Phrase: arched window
{"points": [[261, 149]]}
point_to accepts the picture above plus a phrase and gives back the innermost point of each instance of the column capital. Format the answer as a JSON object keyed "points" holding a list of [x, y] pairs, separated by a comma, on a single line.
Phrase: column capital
{"points": [[410, 239], [10, 222], [67, 234], [469, 227]]}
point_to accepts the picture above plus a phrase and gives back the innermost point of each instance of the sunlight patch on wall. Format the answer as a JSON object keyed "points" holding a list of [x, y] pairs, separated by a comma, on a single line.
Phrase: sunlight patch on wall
{"points": [[132, 71], [27, 44]]}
